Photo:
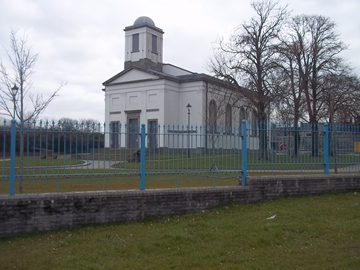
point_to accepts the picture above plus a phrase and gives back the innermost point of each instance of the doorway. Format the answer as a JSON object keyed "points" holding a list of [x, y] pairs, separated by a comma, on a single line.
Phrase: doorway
{"points": [[132, 129], [152, 133], [133, 133], [114, 138]]}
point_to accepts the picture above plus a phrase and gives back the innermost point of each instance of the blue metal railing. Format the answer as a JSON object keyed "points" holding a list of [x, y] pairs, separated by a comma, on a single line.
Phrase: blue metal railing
{"points": [[12, 159], [88, 153]]}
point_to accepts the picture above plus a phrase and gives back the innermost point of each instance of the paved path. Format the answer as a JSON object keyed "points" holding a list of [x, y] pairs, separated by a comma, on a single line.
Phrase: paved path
{"points": [[101, 164], [108, 164], [351, 168]]}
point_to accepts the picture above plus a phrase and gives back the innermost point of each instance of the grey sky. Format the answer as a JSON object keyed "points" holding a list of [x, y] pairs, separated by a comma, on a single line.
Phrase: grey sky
{"points": [[82, 41]]}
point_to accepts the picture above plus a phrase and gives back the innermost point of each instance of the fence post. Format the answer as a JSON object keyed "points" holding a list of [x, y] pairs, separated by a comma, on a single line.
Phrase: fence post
{"points": [[12, 158], [142, 157], [243, 153], [326, 149]]}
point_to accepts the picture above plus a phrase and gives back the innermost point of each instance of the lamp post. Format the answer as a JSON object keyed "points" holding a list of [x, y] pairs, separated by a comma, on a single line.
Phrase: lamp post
{"points": [[188, 138], [14, 91]]}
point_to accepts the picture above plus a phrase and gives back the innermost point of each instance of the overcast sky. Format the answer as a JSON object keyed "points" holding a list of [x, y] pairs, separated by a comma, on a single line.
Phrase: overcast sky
{"points": [[82, 41]]}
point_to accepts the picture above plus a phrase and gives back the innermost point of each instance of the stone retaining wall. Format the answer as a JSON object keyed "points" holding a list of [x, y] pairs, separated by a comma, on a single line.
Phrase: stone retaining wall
{"points": [[44, 212]]}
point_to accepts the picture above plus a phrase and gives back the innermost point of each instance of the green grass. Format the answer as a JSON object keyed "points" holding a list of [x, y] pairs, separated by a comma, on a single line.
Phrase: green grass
{"points": [[162, 171], [32, 161], [225, 161], [174, 162], [320, 232], [92, 182]]}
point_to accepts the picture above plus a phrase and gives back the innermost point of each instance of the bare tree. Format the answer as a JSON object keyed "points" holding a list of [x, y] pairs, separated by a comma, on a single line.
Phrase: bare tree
{"points": [[248, 59], [290, 99], [347, 111], [89, 125], [308, 51], [17, 99], [82, 125], [66, 124], [25, 103], [317, 56], [341, 97]]}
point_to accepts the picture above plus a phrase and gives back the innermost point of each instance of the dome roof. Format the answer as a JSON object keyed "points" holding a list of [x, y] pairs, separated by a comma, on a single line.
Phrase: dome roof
{"points": [[143, 20]]}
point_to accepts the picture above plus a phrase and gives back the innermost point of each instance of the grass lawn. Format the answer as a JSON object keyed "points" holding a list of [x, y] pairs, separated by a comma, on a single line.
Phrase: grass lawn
{"points": [[110, 171], [34, 162], [225, 160], [321, 232], [93, 180]]}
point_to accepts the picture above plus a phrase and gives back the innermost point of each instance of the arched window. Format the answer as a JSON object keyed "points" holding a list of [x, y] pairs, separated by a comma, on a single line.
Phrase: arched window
{"points": [[242, 115], [228, 119], [212, 115], [254, 123]]}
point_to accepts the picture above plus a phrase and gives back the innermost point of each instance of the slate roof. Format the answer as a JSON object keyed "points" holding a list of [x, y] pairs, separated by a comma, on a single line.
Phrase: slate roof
{"points": [[162, 75]]}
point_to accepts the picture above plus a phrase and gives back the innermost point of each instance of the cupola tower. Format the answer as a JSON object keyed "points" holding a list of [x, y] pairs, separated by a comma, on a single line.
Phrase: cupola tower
{"points": [[144, 44]]}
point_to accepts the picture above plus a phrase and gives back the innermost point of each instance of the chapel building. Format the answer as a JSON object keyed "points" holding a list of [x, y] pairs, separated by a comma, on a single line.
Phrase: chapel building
{"points": [[151, 92]]}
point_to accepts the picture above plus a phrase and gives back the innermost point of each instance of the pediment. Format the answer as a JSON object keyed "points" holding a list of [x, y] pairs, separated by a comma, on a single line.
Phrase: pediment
{"points": [[132, 75]]}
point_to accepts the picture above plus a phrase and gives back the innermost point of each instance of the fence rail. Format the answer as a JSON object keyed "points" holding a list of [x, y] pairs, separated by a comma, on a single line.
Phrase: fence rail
{"points": [[115, 156]]}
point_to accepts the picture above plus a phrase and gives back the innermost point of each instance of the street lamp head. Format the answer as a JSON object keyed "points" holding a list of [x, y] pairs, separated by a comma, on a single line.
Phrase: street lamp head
{"points": [[15, 88], [188, 107]]}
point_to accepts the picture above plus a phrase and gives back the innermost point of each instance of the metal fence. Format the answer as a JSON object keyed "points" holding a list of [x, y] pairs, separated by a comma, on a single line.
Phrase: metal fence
{"points": [[75, 156]]}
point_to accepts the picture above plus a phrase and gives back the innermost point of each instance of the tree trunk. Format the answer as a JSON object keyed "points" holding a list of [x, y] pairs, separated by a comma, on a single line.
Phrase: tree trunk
{"points": [[333, 140], [296, 132], [296, 140], [314, 140], [263, 140]]}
